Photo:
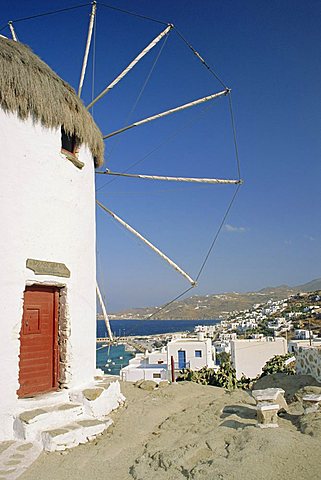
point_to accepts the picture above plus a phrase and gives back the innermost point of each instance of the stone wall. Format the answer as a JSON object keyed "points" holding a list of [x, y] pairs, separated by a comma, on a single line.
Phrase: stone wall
{"points": [[308, 362]]}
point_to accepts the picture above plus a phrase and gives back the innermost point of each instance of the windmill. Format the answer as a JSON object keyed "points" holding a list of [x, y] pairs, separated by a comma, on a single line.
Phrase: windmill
{"points": [[225, 93]]}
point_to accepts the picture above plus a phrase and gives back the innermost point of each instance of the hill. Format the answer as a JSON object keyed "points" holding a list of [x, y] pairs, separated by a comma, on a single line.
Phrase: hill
{"points": [[312, 286], [207, 307]]}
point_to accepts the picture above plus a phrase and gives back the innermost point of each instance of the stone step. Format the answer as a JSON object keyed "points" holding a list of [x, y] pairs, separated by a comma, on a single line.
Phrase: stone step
{"points": [[29, 424], [71, 435], [99, 399]]}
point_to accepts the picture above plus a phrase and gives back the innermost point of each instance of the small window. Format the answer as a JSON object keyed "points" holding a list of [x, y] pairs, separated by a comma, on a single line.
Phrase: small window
{"points": [[69, 143], [157, 375], [70, 148], [198, 353], [160, 361]]}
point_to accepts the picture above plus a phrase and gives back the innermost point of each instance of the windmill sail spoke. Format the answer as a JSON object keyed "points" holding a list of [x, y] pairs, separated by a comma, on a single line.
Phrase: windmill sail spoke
{"points": [[88, 42], [174, 179], [103, 308], [12, 30], [131, 65], [147, 242], [169, 112]]}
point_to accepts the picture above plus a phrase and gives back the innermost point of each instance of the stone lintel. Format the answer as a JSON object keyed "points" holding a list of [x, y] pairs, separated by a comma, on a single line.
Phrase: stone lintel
{"points": [[42, 267]]}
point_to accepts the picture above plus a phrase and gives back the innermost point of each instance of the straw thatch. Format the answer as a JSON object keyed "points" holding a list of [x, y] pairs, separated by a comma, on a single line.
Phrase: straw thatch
{"points": [[31, 89]]}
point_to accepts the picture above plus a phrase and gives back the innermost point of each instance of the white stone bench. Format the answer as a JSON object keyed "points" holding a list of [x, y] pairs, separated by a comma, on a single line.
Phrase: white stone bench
{"points": [[311, 403], [267, 415], [270, 396]]}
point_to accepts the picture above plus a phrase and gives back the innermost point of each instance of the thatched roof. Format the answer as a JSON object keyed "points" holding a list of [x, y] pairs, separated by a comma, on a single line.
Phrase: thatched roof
{"points": [[31, 89]]}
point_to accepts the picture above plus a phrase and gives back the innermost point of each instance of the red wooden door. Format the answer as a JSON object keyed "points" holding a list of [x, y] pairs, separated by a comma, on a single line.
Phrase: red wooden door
{"points": [[38, 365]]}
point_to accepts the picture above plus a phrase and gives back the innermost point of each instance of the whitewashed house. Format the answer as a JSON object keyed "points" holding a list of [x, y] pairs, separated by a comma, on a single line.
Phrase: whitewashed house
{"points": [[302, 334], [49, 147], [193, 353], [148, 366], [179, 353], [249, 356]]}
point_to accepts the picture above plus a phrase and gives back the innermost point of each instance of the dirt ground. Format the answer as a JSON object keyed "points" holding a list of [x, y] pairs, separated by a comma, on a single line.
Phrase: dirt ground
{"points": [[190, 431]]}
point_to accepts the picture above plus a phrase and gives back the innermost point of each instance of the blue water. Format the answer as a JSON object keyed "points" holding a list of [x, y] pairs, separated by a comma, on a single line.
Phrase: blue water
{"points": [[122, 328], [112, 359]]}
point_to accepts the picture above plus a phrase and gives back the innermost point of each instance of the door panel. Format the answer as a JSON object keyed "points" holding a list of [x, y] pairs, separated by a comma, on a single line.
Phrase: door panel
{"points": [[181, 359], [38, 364]]}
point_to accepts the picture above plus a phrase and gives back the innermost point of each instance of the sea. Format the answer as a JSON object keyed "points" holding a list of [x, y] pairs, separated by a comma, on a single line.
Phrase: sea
{"points": [[111, 359]]}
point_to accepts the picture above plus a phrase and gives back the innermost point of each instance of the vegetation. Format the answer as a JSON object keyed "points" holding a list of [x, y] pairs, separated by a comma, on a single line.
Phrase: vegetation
{"points": [[278, 364], [225, 377]]}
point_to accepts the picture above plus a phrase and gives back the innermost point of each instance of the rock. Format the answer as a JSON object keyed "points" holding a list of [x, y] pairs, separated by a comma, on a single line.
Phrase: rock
{"points": [[148, 385], [310, 424], [290, 383], [92, 393], [163, 384]]}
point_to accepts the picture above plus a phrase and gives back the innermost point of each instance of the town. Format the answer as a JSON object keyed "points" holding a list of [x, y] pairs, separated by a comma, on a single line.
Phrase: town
{"points": [[250, 337]]}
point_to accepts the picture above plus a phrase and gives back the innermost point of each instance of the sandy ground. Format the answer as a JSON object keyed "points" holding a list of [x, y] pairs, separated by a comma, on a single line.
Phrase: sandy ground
{"points": [[190, 431]]}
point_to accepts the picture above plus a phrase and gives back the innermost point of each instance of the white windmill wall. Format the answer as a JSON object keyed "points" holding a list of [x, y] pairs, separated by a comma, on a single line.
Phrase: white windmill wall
{"points": [[47, 213]]}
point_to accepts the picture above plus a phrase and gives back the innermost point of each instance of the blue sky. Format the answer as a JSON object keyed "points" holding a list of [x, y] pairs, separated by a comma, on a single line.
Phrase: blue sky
{"points": [[269, 53]]}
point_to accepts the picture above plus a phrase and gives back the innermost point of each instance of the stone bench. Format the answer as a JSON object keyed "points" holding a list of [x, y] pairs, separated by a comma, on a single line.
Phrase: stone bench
{"points": [[311, 403], [267, 415], [270, 396]]}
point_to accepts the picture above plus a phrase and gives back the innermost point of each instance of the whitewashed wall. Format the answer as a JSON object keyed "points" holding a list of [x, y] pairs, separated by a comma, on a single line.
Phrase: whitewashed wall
{"points": [[133, 373], [249, 356], [189, 346], [47, 213]]}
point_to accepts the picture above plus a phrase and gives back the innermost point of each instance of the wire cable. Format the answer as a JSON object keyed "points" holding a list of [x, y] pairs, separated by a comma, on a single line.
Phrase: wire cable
{"points": [[200, 58], [164, 142], [49, 13], [157, 310], [140, 94], [169, 303], [234, 135], [217, 233], [144, 17]]}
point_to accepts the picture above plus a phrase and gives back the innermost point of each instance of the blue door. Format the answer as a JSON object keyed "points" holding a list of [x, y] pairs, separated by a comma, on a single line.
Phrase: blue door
{"points": [[181, 359]]}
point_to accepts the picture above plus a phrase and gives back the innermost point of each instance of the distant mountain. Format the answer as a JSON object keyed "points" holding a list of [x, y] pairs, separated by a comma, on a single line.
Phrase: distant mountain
{"points": [[207, 307], [310, 286]]}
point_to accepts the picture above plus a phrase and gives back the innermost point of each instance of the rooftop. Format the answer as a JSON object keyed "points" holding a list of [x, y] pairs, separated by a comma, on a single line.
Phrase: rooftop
{"points": [[31, 89]]}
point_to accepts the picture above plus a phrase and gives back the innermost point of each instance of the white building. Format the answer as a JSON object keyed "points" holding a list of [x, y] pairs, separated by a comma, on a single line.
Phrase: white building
{"points": [[208, 330], [49, 146], [193, 353], [303, 334], [148, 366], [295, 345], [249, 356], [221, 347]]}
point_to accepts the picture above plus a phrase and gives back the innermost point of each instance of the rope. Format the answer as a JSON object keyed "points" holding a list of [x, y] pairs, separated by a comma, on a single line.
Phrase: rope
{"points": [[147, 79], [201, 58], [168, 112], [166, 140], [204, 261], [147, 242], [217, 233], [238, 170], [144, 17], [52, 12], [234, 136], [159, 310], [229, 96], [140, 93], [169, 303]]}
